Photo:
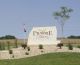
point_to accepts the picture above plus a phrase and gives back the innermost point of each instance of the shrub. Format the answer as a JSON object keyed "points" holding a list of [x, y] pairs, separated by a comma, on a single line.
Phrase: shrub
{"points": [[28, 48], [60, 45], [24, 46], [26, 53], [12, 56], [10, 51], [70, 47], [78, 46], [40, 46], [42, 51]]}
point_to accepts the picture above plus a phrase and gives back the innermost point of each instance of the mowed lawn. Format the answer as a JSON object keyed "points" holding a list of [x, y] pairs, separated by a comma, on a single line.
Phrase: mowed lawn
{"points": [[46, 59]]}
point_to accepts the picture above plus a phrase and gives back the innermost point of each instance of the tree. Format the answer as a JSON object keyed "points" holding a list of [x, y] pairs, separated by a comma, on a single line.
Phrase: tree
{"points": [[8, 37], [62, 15], [73, 37]]}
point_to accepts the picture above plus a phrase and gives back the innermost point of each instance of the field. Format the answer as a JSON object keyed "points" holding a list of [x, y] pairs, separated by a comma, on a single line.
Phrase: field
{"points": [[46, 59], [4, 43], [74, 42]]}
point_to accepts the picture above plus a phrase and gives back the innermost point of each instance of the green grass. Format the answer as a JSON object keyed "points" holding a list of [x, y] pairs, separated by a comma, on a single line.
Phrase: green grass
{"points": [[46, 59]]}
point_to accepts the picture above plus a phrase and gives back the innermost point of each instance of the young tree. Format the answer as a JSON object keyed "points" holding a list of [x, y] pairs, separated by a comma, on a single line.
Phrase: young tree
{"points": [[62, 16]]}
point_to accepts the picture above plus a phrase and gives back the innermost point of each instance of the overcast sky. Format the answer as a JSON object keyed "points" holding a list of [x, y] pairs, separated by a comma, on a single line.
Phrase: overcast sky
{"points": [[14, 13]]}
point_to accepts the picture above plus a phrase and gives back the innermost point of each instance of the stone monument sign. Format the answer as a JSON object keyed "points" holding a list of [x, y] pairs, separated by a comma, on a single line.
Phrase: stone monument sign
{"points": [[43, 35]]}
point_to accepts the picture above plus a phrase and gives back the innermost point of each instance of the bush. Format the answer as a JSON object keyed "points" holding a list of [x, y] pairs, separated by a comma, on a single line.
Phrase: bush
{"points": [[70, 47], [78, 46], [40, 46], [24, 46], [12, 56], [10, 51], [26, 53], [42, 51], [60, 45], [28, 48]]}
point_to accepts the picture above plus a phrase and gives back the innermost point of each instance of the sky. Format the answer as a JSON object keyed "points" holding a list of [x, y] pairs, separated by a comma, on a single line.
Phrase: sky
{"points": [[15, 13]]}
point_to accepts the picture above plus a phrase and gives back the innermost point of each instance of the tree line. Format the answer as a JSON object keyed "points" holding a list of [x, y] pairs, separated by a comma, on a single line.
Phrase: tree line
{"points": [[73, 37], [7, 37]]}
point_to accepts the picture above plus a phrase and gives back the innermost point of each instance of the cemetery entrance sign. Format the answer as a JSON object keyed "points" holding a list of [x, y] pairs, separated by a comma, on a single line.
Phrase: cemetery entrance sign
{"points": [[43, 35]]}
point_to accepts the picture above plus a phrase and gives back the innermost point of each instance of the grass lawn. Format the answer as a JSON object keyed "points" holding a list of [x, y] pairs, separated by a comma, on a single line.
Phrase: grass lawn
{"points": [[46, 59]]}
